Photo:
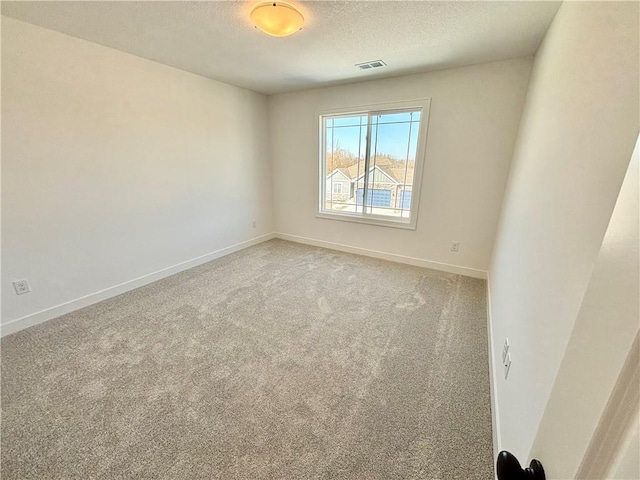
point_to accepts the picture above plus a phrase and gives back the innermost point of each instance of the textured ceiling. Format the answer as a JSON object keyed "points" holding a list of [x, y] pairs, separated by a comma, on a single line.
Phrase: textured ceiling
{"points": [[216, 39]]}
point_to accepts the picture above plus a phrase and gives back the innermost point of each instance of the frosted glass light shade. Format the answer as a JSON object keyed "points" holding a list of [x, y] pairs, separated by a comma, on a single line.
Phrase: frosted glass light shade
{"points": [[277, 18]]}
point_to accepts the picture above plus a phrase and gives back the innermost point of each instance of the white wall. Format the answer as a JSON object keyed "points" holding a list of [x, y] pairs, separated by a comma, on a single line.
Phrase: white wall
{"points": [[473, 123], [627, 465], [577, 133], [602, 336], [114, 167]]}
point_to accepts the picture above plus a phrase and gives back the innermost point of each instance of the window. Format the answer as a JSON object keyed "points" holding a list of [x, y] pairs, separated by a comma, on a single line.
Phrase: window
{"points": [[371, 163]]}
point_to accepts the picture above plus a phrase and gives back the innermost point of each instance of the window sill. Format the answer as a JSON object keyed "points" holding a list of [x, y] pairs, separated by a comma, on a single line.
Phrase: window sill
{"points": [[369, 220]]}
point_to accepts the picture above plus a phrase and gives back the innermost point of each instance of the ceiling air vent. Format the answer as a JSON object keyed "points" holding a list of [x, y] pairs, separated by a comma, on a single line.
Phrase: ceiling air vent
{"points": [[372, 64]]}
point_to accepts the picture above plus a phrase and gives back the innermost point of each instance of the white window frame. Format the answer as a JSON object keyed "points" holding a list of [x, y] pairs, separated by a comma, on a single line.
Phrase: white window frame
{"points": [[321, 180], [335, 189]]}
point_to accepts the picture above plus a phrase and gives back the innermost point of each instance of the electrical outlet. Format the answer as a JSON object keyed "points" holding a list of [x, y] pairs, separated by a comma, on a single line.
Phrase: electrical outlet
{"points": [[507, 366], [21, 286], [455, 246], [505, 349], [254, 224]]}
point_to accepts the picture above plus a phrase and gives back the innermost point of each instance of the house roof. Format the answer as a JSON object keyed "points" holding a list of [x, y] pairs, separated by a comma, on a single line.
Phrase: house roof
{"points": [[343, 171], [397, 174]]}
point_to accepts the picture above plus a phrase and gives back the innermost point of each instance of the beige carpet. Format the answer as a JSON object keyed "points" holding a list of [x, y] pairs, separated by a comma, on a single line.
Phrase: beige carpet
{"points": [[282, 361]]}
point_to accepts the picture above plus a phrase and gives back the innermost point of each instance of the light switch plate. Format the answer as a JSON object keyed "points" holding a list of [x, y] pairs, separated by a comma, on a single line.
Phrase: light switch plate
{"points": [[507, 366], [505, 350]]}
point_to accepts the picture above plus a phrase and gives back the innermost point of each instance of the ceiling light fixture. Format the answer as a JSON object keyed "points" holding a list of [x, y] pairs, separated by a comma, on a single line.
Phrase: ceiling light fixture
{"points": [[277, 18]]}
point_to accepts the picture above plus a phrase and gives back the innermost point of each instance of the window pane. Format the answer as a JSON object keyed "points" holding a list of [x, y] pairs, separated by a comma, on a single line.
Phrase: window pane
{"points": [[349, 121], [394, 117], [345, 150], [394, 141]]}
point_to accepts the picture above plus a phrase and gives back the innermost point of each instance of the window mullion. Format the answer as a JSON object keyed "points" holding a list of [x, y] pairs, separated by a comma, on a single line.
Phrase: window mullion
{"points": [[367, 159], [406, 169]]}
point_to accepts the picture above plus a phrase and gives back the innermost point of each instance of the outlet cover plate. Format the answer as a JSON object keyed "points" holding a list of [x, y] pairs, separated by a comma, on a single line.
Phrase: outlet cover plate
{"points": [[21, 286]]}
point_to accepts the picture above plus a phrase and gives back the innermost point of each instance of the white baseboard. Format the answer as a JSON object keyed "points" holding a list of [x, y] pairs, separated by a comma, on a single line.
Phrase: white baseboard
{"points": [[418, 262], [67, 307], [49, 313], [493, 378]]}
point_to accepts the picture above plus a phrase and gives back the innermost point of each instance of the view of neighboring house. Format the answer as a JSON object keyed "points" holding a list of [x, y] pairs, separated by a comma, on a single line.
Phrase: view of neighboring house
{"points": [[389, 185]]}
